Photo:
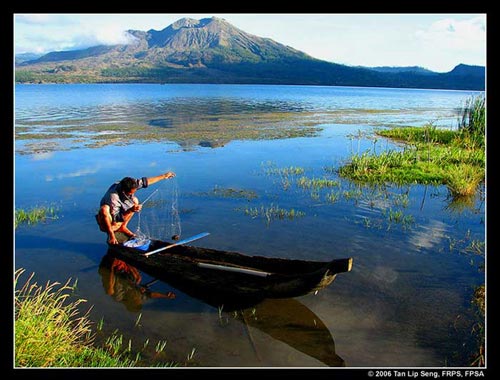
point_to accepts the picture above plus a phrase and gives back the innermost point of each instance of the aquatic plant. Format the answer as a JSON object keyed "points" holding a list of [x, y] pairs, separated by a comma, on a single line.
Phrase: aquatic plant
{"points": [[332, 197], [463, 180], [34, 215], [399, 217], [472, 121], [478, 329], [286, 171], [316, 183], [272, 212], [286, 174]]}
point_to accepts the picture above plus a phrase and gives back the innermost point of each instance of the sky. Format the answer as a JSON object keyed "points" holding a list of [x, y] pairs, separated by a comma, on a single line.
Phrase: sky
{"points": [[437, 42]]}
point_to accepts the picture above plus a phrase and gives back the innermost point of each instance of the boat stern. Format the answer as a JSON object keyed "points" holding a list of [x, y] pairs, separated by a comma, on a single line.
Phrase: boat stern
{"points": [[341, 265]]}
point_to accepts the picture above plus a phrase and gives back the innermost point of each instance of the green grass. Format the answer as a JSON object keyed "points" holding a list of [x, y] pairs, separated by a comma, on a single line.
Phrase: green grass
{"points": [[46, 327], [429, 134], [50, 332], [34, 215], [432, 156]]}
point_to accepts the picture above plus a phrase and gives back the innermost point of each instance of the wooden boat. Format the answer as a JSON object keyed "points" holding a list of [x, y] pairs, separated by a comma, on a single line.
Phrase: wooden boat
{"points": [[231, 275]]}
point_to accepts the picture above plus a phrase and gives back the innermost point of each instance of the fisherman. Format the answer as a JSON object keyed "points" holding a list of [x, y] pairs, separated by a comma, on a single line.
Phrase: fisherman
{"points": [[119, 204]]}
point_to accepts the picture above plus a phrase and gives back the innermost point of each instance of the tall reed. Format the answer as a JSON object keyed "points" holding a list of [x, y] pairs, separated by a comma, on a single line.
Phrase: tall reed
{"points": [[472, 121]]}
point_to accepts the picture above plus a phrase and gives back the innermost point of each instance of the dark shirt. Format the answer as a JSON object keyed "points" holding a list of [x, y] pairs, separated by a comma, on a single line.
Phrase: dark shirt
{"points": [[118, 201]]}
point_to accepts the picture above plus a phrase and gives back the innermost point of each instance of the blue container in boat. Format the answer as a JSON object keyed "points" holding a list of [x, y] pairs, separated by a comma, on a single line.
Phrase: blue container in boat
{"points": [[142, 244]]}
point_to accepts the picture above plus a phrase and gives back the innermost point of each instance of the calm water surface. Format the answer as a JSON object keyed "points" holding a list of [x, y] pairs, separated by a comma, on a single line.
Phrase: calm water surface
{"points": [[407, 301]]}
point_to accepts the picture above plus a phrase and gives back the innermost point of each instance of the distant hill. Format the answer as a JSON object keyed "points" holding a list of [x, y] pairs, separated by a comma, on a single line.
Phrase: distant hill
{"points": [[23, 57], [211, 50], [403, 69], [466, 70]]}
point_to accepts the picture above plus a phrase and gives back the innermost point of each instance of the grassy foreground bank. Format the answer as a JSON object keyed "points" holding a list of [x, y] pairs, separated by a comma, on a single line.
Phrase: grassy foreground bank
{"points": [[49, 331]]}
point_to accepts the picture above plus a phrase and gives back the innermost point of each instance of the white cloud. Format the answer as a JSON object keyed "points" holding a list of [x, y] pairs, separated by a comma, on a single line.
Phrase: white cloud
{"points": [[35, 19], [44, 33], [43, 156], [101, 35], [78, 173], [430, 236], [453, 34]]}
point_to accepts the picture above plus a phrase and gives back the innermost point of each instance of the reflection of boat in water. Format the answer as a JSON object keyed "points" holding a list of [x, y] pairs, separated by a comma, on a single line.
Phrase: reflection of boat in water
{"points": [[293, 323], [231, 273], [286, 320]]}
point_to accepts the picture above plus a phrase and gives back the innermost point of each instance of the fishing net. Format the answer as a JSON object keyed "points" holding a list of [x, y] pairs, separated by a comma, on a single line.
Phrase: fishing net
{"points": [[159, 217]]}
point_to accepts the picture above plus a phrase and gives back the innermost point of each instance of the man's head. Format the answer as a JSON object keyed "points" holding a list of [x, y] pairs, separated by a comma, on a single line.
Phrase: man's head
{"points": [[128, 185]]}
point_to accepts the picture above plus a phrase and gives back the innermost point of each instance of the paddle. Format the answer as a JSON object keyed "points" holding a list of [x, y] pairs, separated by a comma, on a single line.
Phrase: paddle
{"points": [[253, 272], [184, 241]]}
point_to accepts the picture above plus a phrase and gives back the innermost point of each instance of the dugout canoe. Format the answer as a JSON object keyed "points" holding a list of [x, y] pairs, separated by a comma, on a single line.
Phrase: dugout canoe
{"points": [[230, 274]]}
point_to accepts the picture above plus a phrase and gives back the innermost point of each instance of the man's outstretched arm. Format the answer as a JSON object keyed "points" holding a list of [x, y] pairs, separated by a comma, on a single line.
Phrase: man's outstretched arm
{"points": [[167, 175]]}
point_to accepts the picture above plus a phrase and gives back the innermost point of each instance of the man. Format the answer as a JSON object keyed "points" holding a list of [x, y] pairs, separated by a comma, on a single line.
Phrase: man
{"points": [[119, 204]]}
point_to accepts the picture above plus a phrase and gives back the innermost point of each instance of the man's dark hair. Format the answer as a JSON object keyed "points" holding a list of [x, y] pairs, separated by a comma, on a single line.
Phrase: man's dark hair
{"points": [[127, 184]]}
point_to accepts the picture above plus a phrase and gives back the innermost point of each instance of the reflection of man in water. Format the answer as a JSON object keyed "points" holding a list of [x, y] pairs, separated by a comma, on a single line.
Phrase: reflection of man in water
{"points": [[122, 282]]}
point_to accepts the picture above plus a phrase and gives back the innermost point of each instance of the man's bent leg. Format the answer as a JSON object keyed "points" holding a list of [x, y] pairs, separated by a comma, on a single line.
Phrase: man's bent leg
{"points": [[126, 219], [100, 218]]}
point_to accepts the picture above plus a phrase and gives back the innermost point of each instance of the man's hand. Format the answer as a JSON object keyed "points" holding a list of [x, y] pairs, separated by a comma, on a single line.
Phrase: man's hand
{"points": [[168, 175], [112, 239]]}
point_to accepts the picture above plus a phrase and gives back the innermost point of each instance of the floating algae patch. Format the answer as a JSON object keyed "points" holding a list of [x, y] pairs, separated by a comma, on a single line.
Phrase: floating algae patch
{"points": [[164, 123], [229, 192], [186, 131], [192, 125]]}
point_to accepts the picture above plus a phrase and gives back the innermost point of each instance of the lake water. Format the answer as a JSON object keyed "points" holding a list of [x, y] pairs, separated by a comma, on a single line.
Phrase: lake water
{"points": [[407, 300]]}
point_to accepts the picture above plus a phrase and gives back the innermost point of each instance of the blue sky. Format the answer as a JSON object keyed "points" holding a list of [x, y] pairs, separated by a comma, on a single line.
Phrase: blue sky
{"points": [[435, 41]]}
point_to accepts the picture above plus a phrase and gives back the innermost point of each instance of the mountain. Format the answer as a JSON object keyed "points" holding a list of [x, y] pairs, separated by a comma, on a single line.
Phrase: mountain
{"points": [[211, 50]]}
